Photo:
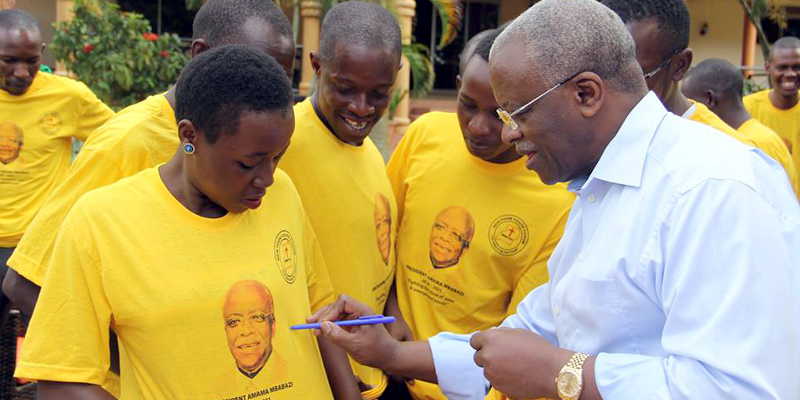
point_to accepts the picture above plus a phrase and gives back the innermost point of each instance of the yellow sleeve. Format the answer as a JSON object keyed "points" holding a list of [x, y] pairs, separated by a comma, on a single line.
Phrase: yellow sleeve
{"points": [[536, 273], [90, 170], [67, 340], [397, 167], [320, 289], [93, 113]]}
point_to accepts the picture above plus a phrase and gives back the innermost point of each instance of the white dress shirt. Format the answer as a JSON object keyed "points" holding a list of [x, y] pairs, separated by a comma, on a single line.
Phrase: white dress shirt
{"points": [[678, 269]]}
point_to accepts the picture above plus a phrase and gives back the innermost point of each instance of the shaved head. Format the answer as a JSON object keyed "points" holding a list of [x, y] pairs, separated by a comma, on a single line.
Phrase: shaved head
{"points": [[716, 75], [221, 22], [469, 48], [16, 19], [556, 41], [359, 24], [786, 42]]}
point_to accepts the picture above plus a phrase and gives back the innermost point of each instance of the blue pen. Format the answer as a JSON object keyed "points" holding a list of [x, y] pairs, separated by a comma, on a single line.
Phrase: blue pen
{"points": [[365, 320]]}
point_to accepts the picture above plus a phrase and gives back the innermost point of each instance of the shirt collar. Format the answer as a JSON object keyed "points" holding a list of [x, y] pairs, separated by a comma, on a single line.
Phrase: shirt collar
{"points": [[690, 111], [623, 159]]}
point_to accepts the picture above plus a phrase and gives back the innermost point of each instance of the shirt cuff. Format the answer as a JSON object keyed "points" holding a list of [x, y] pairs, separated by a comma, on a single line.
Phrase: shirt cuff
{"points": [[458, 375]]}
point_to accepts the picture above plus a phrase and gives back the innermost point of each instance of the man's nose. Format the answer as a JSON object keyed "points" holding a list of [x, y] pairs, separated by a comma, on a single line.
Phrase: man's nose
{"points": [[360, 106], [22, 71], [481, 125]]}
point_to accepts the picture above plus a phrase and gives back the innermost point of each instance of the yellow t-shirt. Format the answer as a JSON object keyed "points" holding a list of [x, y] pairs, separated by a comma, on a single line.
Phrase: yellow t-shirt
{"points": [[769, 142], [349, 201], [138, 137], [754, 138], [705, 116], [474, 237], [36, 131], [786, 123], [201, 306]]}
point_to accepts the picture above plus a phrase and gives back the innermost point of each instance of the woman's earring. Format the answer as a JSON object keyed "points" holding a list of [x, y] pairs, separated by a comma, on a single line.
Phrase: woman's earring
{"points": [[188, 148]]}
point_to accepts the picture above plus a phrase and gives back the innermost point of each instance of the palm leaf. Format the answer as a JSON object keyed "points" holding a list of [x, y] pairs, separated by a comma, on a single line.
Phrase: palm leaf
{"points": [[450, 13], [422, 72]]}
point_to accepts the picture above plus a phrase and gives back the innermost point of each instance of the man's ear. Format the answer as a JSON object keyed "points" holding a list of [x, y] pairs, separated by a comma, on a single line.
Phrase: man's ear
{"points": [[682, 61], [315, 62], [589, 91], [458, 82], [198, 46], [711, 99]]}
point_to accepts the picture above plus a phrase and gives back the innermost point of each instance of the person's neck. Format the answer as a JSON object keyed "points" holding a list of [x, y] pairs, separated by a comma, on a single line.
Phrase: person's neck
{"points": [[783, 102], [733, 115], [170, 95], [677, 104], [179, 185]]}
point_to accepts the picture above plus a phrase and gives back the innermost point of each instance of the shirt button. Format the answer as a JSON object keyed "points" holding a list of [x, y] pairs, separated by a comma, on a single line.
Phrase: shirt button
{"points": [[592, 198]]}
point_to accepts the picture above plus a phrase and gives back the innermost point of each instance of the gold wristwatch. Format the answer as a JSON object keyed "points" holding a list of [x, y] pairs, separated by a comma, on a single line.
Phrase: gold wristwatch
{"points": [[569, 382]]}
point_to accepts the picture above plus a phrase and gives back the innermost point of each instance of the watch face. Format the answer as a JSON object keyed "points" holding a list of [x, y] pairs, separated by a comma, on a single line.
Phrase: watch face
{"points": [[569, 384]]}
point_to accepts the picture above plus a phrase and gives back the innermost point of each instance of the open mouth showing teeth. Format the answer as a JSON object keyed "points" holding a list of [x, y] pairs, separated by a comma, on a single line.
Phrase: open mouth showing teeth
{"points": [[357, 125]]}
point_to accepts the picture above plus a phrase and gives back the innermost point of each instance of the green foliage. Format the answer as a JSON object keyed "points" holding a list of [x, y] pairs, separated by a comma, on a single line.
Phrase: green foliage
{"points": [[756, 10], [194, 4], [751, 86], [397, 97], [116, 54], [422, 73]]}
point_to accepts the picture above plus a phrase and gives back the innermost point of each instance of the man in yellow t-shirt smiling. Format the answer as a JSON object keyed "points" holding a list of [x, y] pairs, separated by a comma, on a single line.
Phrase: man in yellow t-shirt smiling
{"points": [[340, 174], [718, 84], [476, 226], [40, 114], [142, 135], [779, 107]]}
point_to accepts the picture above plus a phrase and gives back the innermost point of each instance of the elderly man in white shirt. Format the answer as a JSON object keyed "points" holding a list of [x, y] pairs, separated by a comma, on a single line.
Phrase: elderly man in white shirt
{"points": [[678, 274]]}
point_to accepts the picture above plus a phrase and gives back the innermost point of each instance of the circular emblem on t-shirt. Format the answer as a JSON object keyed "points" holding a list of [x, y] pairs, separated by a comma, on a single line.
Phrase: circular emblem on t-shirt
{"points": [[286, 256], [508, 235], [50, 123]]}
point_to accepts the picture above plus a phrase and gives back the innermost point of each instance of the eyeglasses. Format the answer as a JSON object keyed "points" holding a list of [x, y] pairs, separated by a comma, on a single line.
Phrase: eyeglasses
{"points": [[662, 65], [508, 118]]}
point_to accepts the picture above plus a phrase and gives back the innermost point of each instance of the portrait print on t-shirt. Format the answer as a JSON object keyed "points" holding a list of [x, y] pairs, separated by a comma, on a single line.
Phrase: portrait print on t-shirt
{"points": [[11, 141], [383, 226], [451, 235], [249, 318]]}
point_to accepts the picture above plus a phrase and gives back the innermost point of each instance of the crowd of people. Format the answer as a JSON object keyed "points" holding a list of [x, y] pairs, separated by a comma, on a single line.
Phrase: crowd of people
{"points": [[598, 219]]}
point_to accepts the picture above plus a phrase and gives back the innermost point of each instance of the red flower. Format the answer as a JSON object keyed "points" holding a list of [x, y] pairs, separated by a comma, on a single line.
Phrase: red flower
{"points": [[87, 48], [164, 53], [150, 36]]}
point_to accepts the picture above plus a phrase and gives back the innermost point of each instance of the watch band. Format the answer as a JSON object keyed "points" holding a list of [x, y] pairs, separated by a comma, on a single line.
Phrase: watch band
{"points": [[577, 360]]}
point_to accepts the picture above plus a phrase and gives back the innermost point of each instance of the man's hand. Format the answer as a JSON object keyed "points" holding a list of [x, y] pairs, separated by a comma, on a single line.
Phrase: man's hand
{"points": [[370, 345], [519, 363]]}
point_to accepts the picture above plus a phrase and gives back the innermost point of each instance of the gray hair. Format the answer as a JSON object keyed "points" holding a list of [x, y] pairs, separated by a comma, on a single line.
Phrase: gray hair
{"points": [[16, 19], [566, 37]]}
